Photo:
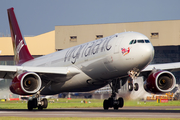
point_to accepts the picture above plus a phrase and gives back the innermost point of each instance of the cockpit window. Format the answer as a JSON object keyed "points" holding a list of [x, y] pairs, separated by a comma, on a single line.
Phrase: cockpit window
{"points": [[131, 42], [147, 41], [140, 41]]}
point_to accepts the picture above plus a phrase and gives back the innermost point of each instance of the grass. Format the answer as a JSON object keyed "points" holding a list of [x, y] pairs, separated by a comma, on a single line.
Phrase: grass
{"points": [[78, 103], [61, 103]]}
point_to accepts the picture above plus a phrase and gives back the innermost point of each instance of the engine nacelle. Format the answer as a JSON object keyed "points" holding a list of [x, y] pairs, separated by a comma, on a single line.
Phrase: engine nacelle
{"points": [[160, 82], [26, 83]]}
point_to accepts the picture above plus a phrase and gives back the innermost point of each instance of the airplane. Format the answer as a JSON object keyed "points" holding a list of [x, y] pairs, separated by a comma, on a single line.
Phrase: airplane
{"points": [[112, 60]]}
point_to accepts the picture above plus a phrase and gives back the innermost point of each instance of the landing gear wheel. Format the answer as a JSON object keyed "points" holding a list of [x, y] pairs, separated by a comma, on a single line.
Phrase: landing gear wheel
{"points": [[113, 103], [130, 87], [110, 102], [45, 103], [40, 107], [34, 102], [136, 86], [30, 105], [121, 102], [115, 107], [106, 104]]}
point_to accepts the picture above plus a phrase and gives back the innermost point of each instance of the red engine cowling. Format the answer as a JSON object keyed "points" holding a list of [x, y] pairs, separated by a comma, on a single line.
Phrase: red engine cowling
{"points": [[26, 83], [160, 82]]}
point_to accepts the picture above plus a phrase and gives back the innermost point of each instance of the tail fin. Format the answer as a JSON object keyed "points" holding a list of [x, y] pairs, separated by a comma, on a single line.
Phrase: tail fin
{"points": [[21, 51]]}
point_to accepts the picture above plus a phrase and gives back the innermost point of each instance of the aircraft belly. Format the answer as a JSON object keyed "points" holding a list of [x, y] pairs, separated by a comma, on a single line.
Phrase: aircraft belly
{"points": [[78, 83]]}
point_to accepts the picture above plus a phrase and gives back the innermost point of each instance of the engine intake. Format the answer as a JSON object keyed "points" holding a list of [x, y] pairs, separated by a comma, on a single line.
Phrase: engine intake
{"points": [[160, 82], [26, 83]]}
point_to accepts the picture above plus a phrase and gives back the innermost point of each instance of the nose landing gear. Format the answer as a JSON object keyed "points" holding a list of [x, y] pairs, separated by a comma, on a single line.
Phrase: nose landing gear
{"points": [[131, 87], [133, 75]]}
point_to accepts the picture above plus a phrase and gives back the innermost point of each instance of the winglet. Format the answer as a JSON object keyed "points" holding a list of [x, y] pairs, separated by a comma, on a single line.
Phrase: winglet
{"points": [[21, 51]]}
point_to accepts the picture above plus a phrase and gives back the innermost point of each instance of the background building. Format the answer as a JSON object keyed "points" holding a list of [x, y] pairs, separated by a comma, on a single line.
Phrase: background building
{"points": [[161, 33]]}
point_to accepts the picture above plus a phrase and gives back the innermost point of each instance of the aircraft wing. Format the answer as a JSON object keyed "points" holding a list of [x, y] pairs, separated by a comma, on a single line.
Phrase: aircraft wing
{"points": [[165, 66], [8, 72]]}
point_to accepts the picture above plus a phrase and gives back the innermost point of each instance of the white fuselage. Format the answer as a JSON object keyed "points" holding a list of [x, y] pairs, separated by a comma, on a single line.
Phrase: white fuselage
{"points": [[99, 61]]}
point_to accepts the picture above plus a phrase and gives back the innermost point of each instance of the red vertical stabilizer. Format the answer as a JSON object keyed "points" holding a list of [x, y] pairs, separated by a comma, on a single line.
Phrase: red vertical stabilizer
{"points": [[21, 51]]}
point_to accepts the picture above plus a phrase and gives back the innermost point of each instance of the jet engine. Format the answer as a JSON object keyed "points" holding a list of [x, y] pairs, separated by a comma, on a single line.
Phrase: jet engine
{"points": [[26, 83], [160, 82]]}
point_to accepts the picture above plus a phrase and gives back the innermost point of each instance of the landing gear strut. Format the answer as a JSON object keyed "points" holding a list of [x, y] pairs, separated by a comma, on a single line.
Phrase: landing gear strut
{"points": [[112, 101], [37, 102]]}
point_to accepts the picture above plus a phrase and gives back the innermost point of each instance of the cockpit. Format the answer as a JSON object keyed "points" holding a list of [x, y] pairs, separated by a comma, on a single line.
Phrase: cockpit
{"points": [[139, 41]]}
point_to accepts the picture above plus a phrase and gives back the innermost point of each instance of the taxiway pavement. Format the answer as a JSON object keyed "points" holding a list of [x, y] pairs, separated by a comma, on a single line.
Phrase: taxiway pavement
{"points": [[128, 112]]}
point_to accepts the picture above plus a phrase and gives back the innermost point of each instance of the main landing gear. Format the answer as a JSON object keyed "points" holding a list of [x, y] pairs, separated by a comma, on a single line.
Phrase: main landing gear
{"points": [[37, 102], [112, 101]]}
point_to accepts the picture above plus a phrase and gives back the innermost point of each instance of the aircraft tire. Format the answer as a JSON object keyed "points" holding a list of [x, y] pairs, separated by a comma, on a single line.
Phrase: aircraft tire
{"points": [[40, 107], [136, 86], [121, 102], [130, 87], [106, 104], [34, 102], [110, 102], [30, 105], [45, 101], [116, 107]]}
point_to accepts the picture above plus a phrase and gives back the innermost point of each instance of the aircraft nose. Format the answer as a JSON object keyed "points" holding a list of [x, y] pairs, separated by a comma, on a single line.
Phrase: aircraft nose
{"points": [[147, 54]]}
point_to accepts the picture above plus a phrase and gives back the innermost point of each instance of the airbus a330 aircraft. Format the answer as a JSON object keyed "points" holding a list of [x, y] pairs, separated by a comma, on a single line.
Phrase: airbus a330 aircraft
{"points": [[110, 60]]}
